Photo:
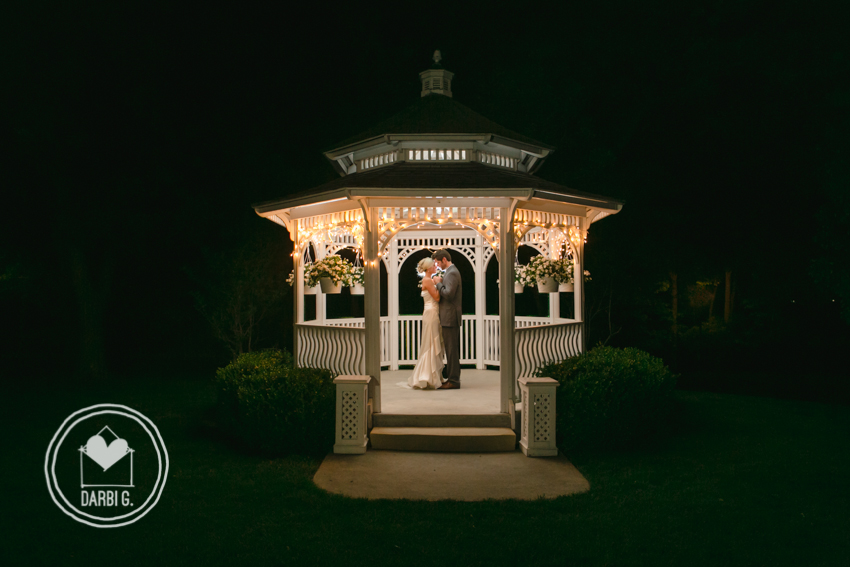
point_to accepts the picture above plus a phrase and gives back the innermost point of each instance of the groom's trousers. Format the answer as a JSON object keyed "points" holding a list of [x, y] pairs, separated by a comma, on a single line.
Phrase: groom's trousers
{"points": [[451, 341]]}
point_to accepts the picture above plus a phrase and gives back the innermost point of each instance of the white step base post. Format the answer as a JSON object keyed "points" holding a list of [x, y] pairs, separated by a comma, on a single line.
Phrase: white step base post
{"points": [[351, 414], [538, 417]]}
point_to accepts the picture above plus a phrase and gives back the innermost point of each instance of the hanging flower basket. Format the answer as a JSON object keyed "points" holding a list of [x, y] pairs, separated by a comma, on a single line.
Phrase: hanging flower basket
{"points": [[331, 273], [547, 284], [522, 278], [542, 271], [328, 285], [356, 279], [568, 287], [308, 289]]}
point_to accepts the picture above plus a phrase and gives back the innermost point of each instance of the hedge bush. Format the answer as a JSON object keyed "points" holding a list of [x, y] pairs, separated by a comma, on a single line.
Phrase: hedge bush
{"points": [[608, 396], [274, 407]]}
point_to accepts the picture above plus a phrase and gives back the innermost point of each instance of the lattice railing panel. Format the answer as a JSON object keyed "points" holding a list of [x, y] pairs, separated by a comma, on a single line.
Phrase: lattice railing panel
{"points": [[544, 417], [538, 416], [524, 432], [351, 420], [349, 426]]}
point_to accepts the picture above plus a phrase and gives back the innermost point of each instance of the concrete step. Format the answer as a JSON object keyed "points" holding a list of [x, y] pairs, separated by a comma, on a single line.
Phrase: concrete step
{"points": [[438, 420], [444, 439]]}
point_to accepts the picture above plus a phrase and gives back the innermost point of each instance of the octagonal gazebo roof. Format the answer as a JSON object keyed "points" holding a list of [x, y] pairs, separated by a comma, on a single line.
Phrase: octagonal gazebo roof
{"points": [[470, 179], [436, 114]]}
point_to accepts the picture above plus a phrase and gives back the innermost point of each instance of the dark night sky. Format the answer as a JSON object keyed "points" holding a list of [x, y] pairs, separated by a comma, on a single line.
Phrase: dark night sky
{"points": [[146, 130]]}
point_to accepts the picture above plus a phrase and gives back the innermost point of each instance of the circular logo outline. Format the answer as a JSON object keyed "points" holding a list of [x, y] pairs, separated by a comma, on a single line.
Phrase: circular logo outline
{"points": [[53, 449]]}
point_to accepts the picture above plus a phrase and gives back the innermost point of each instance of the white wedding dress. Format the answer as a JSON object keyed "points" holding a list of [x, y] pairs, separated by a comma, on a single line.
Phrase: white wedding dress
{"points": [[428, 372]]}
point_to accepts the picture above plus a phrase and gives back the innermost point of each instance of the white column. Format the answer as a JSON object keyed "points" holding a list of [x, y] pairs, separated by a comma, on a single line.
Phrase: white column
{"points": [[372, 307], [480, 300], [537, 438], [298, 286], [392, 304], [297, 293], [578, 279], [321, 312], [351, 414], [554, 298], [506, 309]]}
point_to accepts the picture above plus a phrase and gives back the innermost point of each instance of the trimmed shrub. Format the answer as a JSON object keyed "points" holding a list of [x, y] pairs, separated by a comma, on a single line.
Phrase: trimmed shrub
{"points": [[609, 396], [274, 407]]}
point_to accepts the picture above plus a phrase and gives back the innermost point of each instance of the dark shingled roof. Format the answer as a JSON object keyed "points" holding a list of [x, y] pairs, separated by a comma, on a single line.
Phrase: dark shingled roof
{"points": [[413, 176], [438, 114]]}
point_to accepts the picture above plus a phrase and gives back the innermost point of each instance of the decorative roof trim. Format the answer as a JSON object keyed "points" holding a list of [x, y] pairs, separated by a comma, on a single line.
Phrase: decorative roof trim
{"points": [[603, 204], [393, 139], [411, 180]]}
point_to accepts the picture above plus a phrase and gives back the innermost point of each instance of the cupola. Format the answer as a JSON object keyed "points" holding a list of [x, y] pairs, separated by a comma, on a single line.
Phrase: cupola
{"points": [[436, 80]]}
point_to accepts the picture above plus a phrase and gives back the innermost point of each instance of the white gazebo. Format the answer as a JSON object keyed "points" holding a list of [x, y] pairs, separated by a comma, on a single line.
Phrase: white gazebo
{"points": [[438, 175]]}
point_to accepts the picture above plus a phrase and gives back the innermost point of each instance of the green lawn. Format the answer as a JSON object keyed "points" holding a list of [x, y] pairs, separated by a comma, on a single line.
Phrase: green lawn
{"points": [[740, 481]]}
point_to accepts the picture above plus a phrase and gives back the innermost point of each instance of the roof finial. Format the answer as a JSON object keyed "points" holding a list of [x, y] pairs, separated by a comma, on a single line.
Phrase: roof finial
{"points": [[436, 80]]}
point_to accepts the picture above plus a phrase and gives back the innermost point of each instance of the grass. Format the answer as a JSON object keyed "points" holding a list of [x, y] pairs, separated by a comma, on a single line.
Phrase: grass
{"points": [[740, 481]]}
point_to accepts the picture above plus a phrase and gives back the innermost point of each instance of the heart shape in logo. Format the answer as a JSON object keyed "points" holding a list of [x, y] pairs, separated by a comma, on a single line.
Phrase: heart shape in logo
{"points": [[104, 455]]}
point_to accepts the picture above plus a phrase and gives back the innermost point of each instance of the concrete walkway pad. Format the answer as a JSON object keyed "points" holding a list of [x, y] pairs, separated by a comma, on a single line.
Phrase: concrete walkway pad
{"points": [[449, 476]]}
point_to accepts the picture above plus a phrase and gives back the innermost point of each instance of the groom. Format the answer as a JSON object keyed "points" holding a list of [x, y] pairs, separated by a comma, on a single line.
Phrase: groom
{"points": [[451, 315]]}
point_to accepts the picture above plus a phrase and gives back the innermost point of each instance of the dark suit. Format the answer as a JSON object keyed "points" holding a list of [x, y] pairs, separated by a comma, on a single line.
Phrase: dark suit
{"points": [[451, 320]]}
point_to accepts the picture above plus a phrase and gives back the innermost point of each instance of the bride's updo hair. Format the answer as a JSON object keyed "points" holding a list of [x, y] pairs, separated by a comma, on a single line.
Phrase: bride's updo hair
{"points": [[424, 265]]}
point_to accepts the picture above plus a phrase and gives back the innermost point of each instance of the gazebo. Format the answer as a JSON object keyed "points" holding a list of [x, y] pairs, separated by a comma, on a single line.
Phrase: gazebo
{"points": [[439, 175]]}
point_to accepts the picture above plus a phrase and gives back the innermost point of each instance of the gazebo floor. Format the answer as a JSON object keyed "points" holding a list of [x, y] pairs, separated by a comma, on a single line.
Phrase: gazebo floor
{"points": [[478, 395]]}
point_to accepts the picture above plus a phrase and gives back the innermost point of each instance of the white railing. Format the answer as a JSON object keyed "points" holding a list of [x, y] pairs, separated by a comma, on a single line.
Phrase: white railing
{"points": [[357, 323], [338, 348], [386, 341], [491, 340], [537, 339], [360, 323], [410, 335], [523, 322], [536, 346]]}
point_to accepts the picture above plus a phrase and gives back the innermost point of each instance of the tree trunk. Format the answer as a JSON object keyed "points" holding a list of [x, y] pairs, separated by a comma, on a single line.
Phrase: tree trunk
{"points": [[727, 306]]}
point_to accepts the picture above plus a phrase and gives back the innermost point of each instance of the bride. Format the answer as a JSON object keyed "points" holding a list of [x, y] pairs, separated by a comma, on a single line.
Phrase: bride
{"points": [[429, 368]]}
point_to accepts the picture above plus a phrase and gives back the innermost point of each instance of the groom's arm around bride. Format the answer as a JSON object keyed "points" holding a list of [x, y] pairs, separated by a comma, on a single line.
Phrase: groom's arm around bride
{"points": [[450, 289]]}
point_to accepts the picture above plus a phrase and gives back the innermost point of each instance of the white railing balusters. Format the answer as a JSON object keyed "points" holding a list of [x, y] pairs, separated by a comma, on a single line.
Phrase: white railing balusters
{"points": [[339, 344], [337, 348], [536, 346]]}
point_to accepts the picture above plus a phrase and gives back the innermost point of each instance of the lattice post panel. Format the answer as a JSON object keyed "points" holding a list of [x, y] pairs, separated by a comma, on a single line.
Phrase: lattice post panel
{"points": [[538, 417], [351, 414]]}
